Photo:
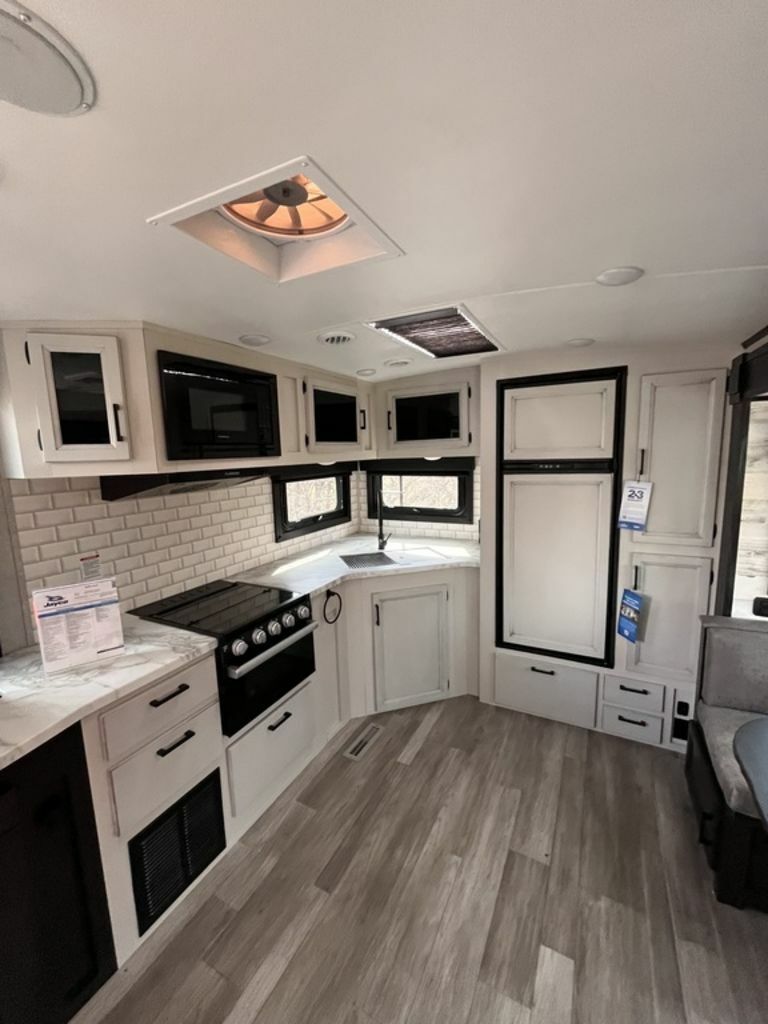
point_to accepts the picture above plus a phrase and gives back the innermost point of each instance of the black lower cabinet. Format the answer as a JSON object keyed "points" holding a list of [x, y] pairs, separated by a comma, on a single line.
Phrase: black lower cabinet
{"points": [[56, 944]]}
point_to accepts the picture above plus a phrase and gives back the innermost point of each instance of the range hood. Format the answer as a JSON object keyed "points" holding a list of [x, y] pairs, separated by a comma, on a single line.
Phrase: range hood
{"points": [[145, 485]]}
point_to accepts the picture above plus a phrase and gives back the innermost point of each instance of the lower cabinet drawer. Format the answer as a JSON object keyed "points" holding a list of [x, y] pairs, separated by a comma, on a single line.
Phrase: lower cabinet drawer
{"points": [[633, 724], [258, 759], [549, 690], [146, 781], [630, 693], [157, 709]]}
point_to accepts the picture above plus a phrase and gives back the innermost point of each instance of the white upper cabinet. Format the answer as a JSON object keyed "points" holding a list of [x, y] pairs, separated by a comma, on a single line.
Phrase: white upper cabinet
{"points": [[561, 421], [555, 567], [79, 396], [428, 417], [676, 591], [337, 418], [681, 425]]}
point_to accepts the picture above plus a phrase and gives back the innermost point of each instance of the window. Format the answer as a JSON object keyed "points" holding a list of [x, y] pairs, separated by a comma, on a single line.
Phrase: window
{"points": [[310, 498], [421, 489]]}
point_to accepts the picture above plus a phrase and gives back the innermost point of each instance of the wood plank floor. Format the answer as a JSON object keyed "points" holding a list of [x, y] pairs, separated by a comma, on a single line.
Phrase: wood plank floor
{"points": [[476, 865]]}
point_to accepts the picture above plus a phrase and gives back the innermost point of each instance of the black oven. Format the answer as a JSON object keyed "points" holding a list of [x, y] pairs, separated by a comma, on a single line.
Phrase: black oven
{"points": [[215, 411], [250, 688]]}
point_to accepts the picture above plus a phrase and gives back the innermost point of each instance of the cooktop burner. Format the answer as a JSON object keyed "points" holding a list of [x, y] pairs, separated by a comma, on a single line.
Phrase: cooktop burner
{"points": [[218, 608]]}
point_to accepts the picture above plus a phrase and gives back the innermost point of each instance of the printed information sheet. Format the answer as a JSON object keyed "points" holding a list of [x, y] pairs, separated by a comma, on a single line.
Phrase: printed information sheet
{"points": [[635, 501], [78, 623]]}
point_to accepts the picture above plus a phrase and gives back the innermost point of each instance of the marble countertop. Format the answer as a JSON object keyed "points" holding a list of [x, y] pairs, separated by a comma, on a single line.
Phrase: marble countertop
{"points": [[34, 708], [312, 572]]}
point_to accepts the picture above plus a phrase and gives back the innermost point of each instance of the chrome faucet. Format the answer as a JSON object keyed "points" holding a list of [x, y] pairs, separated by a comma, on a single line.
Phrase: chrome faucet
{"points": [[380, 508]]}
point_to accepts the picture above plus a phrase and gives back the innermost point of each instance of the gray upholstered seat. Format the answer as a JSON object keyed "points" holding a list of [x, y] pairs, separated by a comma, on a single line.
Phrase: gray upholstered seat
{"points": [[719, 726]]}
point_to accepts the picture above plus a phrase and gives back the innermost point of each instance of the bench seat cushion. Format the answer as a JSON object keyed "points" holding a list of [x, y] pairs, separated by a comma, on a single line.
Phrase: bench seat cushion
{"points": [[719, 726]]}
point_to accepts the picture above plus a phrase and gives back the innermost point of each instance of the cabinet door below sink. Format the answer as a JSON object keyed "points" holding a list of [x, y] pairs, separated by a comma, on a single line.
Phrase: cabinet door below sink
{"points": [[411, 644]]}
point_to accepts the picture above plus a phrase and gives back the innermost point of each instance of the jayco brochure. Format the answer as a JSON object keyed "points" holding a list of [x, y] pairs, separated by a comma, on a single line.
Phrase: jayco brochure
{"points": [[78, 623], [630, 610], [635, 501]]}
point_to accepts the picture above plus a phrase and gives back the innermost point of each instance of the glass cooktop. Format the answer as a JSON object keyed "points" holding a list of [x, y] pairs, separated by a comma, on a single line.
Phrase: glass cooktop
{"points": [[218, 608]]}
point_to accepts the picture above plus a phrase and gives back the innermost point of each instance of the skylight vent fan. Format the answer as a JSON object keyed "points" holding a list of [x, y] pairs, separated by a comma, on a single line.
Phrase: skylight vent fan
{"points": [[440, 333]]}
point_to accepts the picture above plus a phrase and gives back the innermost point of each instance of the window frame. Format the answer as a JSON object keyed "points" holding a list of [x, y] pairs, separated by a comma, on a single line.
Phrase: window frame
{"points": [[285, 530], [462, 468]]}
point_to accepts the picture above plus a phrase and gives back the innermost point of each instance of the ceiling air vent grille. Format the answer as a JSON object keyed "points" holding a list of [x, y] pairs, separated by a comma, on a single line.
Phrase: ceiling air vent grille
{"points": [[336, 337], [439, 332]]}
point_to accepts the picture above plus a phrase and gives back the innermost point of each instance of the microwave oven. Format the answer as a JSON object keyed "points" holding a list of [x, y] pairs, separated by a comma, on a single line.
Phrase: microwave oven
{"points": [[215, 411]]}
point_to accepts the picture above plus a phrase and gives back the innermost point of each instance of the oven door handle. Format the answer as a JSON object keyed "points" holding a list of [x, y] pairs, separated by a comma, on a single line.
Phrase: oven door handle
{"points": [[248, 666]]}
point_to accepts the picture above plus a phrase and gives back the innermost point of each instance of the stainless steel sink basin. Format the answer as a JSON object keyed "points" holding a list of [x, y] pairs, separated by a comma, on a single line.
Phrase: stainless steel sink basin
{"points": [[367, 560]]}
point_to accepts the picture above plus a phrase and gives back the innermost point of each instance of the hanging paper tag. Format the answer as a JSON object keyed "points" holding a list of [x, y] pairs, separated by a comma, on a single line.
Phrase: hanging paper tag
{"points": [[634, 505]]}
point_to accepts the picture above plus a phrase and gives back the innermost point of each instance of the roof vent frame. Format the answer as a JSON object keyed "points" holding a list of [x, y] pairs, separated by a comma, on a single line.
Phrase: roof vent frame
{"points": [[486, 344], [281, 259]]}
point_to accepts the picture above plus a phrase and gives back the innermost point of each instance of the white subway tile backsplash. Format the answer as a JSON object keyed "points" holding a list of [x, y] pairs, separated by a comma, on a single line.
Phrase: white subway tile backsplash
{"points": [[157, 546]]}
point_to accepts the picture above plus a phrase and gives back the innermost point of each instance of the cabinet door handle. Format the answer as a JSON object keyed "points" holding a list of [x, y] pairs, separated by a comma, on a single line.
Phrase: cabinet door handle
{"points": [[543, 671], [362, 420], [633, 721], [159, 701], [280, 721], [378, 615], [116, 414], [165, 751], [389, 419], [632, 689], [635, 577], [642, 462], [705, 819]]}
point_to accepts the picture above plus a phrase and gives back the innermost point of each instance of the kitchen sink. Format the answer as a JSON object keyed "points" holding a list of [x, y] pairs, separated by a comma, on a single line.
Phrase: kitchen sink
{"points": [[367, 560]]}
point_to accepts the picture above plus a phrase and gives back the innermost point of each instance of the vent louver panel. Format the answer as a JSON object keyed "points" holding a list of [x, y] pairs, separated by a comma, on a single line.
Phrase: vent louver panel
{"points": [[440, 332], [169, 854]]}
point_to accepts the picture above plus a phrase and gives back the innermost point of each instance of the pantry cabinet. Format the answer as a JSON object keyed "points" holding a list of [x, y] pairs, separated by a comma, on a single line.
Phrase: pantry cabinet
{"points": [[681, 425], [676, 593], [411, 644]]}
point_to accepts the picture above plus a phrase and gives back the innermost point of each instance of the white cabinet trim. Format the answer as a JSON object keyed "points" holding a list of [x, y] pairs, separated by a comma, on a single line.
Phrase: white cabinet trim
{"points": [[603, 390], [706, 500], [462, 441], [40, 347]]}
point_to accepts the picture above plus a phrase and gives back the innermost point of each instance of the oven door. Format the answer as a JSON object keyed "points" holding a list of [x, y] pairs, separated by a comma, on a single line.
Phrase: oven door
{"points": [[248, 690], [212, 410]]}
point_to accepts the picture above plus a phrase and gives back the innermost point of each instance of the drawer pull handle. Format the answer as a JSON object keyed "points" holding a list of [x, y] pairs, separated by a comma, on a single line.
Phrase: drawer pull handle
{"points": [[633, 721], [632, 689], [543, 671], [280, 721], [159, 701], [165, 751], [705, 819]]}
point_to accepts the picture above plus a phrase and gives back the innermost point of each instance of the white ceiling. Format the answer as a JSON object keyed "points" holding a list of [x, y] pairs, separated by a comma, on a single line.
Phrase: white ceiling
{"points": [[511, 149]]}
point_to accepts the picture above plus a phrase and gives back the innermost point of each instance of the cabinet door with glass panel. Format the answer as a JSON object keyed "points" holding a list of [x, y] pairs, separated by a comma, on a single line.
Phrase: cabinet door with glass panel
{"points": [[80, 397], [424, 417], [337, 418]]}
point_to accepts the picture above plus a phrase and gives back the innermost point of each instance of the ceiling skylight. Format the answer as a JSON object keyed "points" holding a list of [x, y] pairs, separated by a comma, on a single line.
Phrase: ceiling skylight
{"points": [[440, 333]]}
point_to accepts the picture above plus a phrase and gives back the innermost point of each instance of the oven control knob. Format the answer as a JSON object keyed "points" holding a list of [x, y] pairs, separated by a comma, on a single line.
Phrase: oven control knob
{"points": [[259, 636], [274, 628], [289, 620], [303, 611], [239, 647]]}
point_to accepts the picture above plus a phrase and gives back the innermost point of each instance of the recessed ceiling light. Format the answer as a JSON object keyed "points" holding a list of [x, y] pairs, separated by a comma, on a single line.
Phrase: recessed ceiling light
{"points": [[580, 342], [398, 362], [39, 70], [367, 371], [617, 276], [255, 340]]}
